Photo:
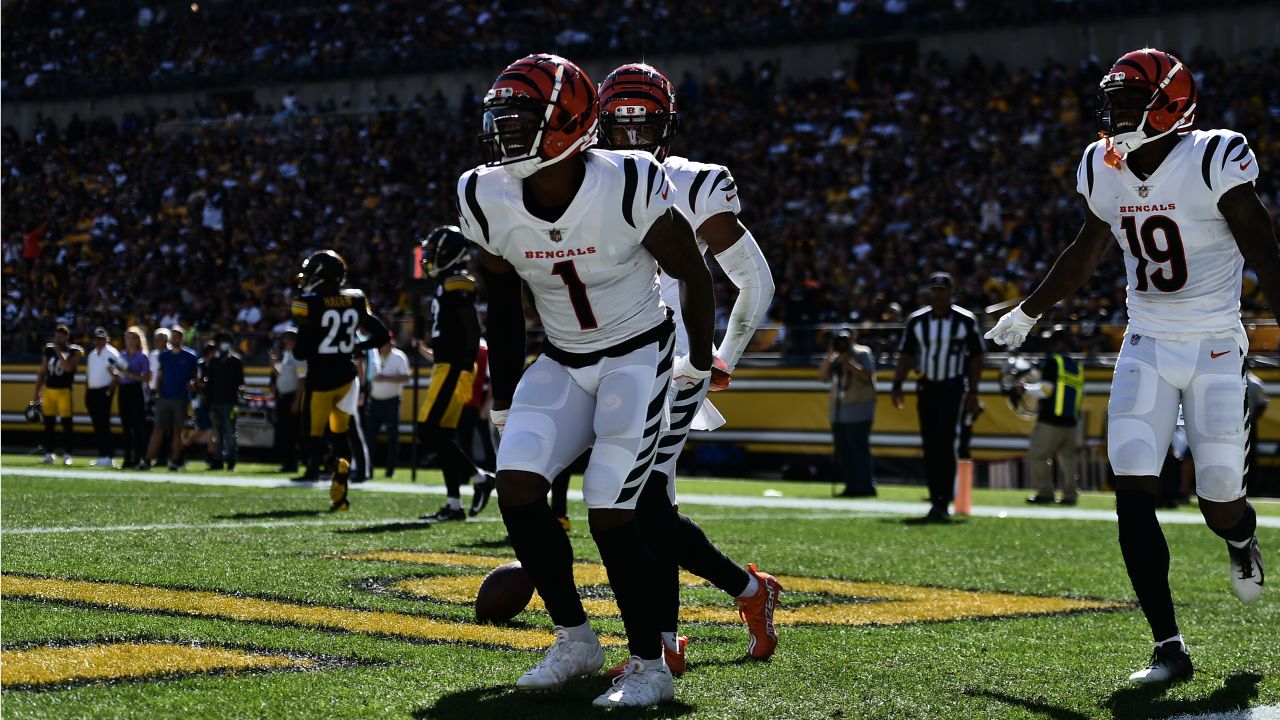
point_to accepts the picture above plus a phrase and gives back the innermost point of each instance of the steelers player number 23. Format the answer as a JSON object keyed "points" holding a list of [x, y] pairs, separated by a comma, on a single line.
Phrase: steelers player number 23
{"points": [[1143, 245], [334, 321], [577, 293]]}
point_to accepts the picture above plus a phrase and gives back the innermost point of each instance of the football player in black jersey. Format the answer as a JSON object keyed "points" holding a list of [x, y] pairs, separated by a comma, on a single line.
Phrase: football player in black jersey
{"points": [[455, 339], [328, 318], [53, 389]]}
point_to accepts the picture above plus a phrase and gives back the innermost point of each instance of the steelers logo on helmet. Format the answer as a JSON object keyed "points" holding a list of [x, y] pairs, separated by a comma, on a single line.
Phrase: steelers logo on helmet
{"points": [[445, 248], [540, 110], [324, 271], [638, 110], [1146, 95]]}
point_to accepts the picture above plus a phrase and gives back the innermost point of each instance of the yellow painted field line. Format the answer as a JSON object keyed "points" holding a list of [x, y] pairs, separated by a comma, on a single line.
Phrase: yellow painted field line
{"points": [[199, 603], [38, 666]]}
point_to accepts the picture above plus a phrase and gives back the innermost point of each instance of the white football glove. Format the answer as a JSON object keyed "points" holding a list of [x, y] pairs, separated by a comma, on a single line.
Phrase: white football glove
{"points": [[499, 418], [684, 375], [1011, 330]]}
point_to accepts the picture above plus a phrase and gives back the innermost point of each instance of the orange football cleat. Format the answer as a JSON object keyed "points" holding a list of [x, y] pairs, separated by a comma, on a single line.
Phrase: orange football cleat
{"points": [[674, 658], [757, 612]]}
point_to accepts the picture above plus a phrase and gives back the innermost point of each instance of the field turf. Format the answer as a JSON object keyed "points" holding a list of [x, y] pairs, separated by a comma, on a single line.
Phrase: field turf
{"points": [[127, 599]]}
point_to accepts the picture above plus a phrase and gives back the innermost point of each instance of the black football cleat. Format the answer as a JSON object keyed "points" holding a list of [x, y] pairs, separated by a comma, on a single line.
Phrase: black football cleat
{"points": [[481, 490], [445, 514]]}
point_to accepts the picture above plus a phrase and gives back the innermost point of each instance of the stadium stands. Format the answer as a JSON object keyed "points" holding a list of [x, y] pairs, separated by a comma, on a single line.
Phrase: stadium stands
{"points": [[856, 185]]}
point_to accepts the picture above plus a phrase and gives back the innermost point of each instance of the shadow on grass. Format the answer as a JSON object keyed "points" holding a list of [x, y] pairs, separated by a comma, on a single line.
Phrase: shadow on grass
{"points": [[1237, 691], [571, 701], [271, 515], [1031, 706], [951, 520], [503, 542], [385, 528]]}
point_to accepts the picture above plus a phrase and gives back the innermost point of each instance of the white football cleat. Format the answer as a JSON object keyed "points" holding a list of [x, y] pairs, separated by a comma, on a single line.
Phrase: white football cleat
{"points": [[66, 460], [1246, 570], [643, 683], [1170, 663], [49, 459], [565, 659], [102, 462]]}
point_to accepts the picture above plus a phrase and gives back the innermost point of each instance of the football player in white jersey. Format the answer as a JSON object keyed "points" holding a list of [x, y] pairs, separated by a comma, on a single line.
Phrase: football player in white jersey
{"points": [[1181, 204], [587, 229], [638, 112]]}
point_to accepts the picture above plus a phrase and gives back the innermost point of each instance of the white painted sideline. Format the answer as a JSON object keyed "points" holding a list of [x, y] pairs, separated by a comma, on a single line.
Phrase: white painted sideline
{"points": [[870, 506]]}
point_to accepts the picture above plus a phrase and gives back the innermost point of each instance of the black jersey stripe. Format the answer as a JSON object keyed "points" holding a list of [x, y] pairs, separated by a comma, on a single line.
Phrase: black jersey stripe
{"points": [[1208, 158], [1232, 144], [720, 177], [700, 178], [629, 190], [653, 175], [1088, 168], [474, 204]]}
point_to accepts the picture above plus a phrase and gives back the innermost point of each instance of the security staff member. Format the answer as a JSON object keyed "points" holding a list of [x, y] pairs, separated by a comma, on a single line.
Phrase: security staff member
{"points": [[100, 386], [53, 390], [1061, 393], [943, 343]]}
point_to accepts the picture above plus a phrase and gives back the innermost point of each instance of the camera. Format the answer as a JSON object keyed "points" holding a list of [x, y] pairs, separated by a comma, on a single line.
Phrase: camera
{"points": [[841, 340]]}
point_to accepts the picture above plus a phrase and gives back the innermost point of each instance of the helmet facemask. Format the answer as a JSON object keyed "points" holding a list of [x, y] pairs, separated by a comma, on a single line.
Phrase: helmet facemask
{"points": [[630, 127]]}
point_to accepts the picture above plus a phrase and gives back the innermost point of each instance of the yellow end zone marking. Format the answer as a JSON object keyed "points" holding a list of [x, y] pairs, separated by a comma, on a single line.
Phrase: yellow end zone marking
{"points": [[864, 603], [120, 661], [199, 603]]}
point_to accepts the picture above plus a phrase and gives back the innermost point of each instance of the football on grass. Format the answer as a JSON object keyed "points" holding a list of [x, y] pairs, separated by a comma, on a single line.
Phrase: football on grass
{"points": [[506, 591]]}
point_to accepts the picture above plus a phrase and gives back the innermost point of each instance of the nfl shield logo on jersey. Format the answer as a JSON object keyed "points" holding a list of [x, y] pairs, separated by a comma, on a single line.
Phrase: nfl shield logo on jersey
{"points": [[1143, 191], [555, 236]]}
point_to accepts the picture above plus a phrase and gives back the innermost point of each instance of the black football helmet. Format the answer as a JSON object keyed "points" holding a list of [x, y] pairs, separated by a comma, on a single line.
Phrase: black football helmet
{"points": [[35, 413], [324, 271], [444, 248]]}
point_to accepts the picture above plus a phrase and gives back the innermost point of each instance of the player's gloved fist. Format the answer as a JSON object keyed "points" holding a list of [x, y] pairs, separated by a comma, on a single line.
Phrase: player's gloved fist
{"points": [[499, 418], [721, 375], [1011, 330], [684, 375]]}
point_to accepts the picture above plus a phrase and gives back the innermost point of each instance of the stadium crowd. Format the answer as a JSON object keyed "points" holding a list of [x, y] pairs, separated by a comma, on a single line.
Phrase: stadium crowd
{"points": [[857, 184], [77, 48]]}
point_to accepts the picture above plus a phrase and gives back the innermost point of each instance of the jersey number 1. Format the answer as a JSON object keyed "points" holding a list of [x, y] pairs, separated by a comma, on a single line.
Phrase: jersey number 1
{"points": [[577, 293], [1142, 245]]}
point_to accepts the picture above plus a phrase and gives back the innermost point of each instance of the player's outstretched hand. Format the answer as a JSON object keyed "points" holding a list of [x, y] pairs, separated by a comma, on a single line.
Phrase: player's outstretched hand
{"points": [[684, 375], [1011, 330]]}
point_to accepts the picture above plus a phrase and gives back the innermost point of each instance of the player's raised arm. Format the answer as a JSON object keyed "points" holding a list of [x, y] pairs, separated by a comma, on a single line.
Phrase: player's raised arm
{"points": [[1250, 224], [377, 332], [670, 240], [506, 327]]}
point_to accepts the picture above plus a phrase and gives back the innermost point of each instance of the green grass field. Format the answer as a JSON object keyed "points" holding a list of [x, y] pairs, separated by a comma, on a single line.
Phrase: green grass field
{"points": [[159, 581]]}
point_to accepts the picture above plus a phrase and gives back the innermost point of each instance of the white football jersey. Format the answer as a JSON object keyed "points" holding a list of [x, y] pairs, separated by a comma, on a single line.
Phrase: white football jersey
{"points": [[702, 190], [1182, 264], [593, 282]]}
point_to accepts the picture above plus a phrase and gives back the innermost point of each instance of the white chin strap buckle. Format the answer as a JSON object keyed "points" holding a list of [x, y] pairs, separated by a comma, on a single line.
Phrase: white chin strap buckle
{"points": [[1125, 143]]}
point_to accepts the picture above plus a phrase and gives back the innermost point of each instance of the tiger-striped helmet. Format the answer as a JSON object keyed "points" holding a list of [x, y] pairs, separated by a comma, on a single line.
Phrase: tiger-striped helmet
{"points": [[540, 110]]}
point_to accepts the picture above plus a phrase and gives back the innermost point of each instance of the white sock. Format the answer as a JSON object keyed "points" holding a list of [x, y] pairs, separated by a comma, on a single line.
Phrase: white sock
{"points": [[1240, 544], [454, 503], [581, 633], [753, 587], [1175, 638]]}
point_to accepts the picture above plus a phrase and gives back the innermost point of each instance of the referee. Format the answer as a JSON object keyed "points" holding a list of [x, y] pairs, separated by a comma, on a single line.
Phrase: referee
{"points": [[944, 344]]}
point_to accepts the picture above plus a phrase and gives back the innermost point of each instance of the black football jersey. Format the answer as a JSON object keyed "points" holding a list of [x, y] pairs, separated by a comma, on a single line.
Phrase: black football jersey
{"points": [[455, 327], [328, 327], [56, 375]]}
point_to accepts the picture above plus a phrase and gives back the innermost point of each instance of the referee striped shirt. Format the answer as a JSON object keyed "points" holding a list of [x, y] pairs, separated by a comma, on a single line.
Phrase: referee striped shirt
{"points": [[942, 346]]}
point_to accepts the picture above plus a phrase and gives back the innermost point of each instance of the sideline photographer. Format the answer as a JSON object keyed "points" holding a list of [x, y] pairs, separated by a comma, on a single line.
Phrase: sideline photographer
{"points": [[851, 368]]}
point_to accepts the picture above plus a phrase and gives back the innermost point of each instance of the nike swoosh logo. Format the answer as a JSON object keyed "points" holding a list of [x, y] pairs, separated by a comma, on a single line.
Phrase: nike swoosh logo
{"points": [[664, 193], [1245, 165], [1216, 355], [730, 198]]}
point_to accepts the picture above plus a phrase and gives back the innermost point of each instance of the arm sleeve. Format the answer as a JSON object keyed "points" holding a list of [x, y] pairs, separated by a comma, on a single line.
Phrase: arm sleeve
{"points": [[300, 311], [745, 265]]}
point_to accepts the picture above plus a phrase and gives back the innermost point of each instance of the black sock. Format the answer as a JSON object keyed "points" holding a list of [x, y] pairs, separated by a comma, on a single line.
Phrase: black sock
{"points": [[1146, 556], [1242, 530], [661, 528], [632, 569], [560, 494], [701, 557], [543, 549], [49, 424], [68, 433]]}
